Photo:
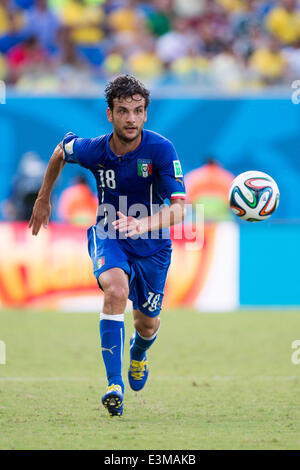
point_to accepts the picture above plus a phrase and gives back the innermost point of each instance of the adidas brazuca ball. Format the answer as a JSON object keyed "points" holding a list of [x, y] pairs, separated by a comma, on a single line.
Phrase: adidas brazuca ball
{"points": [[253, 196]]}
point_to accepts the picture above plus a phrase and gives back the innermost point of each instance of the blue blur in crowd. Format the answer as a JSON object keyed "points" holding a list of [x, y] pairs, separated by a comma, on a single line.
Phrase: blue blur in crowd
{"points": [[43, 25], [25, 4]]}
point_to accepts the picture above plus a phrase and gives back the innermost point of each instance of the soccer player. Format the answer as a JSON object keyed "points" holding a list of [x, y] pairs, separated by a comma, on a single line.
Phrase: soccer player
{"points": [[136, 170]]}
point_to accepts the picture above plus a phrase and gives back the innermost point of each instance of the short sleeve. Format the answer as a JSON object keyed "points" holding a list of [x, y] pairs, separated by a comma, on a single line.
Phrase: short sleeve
{"points": [[77, 150], [170, 172]]}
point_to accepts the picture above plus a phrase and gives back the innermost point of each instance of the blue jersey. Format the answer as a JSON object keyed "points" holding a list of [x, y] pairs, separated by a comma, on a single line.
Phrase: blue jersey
{"points": [[136, 183]]}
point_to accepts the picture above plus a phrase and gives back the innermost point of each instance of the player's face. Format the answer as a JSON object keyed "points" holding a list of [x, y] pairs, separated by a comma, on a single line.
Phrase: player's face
{"points": [[128, 117]]}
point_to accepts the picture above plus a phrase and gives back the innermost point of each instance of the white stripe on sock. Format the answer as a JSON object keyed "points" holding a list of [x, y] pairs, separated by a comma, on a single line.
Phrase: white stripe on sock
{"points": [[105, 316], [121, 346]]}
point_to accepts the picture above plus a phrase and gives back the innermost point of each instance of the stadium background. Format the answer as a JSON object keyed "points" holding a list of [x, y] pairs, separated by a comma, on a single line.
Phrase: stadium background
{"points": [[221, 75]]}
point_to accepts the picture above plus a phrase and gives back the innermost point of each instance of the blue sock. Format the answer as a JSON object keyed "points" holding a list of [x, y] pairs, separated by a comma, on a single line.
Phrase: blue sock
{"points": [[140, 345], [112, 344]]}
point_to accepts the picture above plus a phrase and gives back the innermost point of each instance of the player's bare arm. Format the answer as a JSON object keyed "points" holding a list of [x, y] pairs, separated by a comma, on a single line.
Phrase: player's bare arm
{"points": [[166, 217], [42, 207]]}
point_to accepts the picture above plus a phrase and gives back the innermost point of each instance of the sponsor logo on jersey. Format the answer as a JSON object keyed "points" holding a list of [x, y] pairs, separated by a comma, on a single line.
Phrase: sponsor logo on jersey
{"points": [[179, 181], [177, 169], [144, 168]]}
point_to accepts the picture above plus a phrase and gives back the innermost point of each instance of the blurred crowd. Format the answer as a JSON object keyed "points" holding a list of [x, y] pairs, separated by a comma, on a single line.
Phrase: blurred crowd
{"points": [[76, 45]]}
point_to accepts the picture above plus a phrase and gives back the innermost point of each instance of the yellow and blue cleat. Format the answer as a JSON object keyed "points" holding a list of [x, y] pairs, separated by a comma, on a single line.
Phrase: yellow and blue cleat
{"points": [[112, 400], [138, 372]]}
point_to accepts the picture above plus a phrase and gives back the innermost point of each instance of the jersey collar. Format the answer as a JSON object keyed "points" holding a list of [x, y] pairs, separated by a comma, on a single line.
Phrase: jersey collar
{"points": [[113, 156]]}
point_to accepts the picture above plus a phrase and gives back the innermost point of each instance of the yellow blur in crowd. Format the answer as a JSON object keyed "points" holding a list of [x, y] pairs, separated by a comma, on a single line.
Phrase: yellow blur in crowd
{"points": [[3, 67], [85, 19], [232, 5], [9, 22], [113, 63], [188, 64], [145, 64], [268, 64], [58, 4], [284, 24], [123, 19]]}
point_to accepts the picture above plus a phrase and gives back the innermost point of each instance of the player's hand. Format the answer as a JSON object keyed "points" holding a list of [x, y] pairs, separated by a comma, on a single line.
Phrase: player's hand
{"points": [[40, 215], [128, 225]]}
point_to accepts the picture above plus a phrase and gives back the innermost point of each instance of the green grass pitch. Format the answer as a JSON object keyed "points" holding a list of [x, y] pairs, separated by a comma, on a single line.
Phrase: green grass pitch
{"points": [[217, 381]]}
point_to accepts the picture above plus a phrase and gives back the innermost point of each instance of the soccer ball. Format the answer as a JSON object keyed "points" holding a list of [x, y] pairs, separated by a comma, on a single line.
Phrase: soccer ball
{"points": [[253, 196]]}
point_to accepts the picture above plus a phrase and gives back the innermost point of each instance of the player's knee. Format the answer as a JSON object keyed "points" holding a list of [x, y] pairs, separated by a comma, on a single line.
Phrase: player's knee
{"points": [[148, 327], [116, 294]]}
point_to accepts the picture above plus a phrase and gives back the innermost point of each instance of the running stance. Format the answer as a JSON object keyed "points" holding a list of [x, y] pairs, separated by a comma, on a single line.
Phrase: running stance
{"points": [[136, 171]]}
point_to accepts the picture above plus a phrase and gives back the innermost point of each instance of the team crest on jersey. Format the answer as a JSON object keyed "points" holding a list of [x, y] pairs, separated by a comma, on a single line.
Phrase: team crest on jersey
{"points": [[144, 168]]}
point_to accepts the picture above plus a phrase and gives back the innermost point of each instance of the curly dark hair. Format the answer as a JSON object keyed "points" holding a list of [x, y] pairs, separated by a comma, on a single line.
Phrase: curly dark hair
{"points": [[125, 86]]}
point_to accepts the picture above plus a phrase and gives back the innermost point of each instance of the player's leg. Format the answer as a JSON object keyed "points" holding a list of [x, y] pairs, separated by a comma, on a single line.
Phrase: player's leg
{"points": [[146, 330], [147, 295], [114, 283], [112, 270]]}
